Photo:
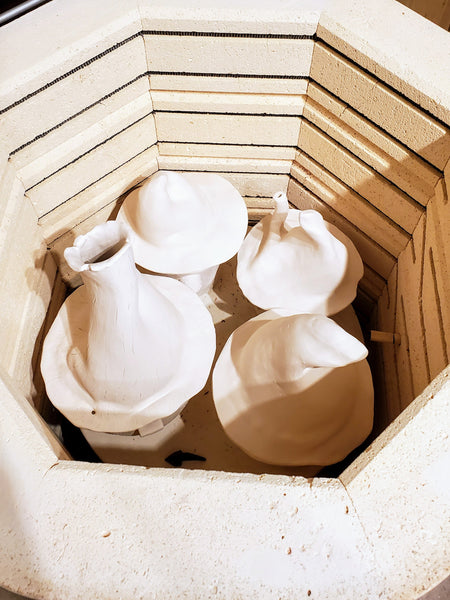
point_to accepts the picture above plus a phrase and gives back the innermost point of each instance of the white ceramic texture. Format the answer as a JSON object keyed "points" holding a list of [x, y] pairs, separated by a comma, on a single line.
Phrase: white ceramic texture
{"points": [[184, 223], [125, 349], [294, 389], [294, 259], [200, 282], [197, 429]]}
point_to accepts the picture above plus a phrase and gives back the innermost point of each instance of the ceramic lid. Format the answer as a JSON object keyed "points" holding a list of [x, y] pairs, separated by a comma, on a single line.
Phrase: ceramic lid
{"points": [[185, 223]]}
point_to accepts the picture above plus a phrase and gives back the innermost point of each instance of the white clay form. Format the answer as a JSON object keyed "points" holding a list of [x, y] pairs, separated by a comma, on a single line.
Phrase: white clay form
{"points": [[201, 282], [126, 350], [294, 389], [294, 259], [185, 225]]}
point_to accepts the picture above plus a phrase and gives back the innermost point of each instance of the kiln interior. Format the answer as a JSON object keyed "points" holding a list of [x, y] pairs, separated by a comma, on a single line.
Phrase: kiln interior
{"points": [[292, 107]]}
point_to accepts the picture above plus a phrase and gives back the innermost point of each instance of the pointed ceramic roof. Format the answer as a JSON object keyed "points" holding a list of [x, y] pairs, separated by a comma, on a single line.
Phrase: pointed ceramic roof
{"points": [[185, 223]]}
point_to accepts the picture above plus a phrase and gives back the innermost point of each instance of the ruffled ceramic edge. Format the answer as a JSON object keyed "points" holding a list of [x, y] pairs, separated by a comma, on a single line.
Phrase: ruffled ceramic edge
{"points": [[227, 233], [61, 384], [249, 290]]}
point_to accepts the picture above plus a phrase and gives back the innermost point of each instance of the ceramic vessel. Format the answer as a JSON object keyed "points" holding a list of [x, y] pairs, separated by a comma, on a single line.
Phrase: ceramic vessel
{"points": [[126, 350], [185, 225], [293, 389], [295, 260]]}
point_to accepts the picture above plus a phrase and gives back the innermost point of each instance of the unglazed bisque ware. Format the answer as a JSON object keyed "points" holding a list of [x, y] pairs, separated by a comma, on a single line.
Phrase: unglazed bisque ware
{"points": [[295, 389], [185, 225], [294, 259], [126, 350]]}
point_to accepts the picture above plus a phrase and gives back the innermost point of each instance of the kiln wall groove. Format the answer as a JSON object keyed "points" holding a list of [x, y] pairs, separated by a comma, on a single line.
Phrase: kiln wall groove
{"points": [[403, 358], [378, 78], [204, 34], [235, 144], [421, 168], [409, 290], [91, 165], [445, 190], [432, 304], [122, 87], [373, 254], [420, 298], [230, 75], [214, 113], [403, 197], [43, 134], [91, 150], [142, 34], [439, 305], [347, 106], [85, 87], [77, 114], [411, 125], [71, 72], [96, 181], [228, 34], [103, 198], [382, 153], [357, 209], [229, 172]]}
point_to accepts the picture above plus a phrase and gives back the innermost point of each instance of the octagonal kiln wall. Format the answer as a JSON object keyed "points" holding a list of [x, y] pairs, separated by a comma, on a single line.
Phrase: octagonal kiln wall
{"points": [[269, 101], [392, 554]]}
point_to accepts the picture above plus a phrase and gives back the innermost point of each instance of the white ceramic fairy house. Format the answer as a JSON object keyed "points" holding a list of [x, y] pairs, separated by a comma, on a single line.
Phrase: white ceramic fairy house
{"points": [[345, 106], [185, 225], [294, 259], [126, 350], [294, 389]]}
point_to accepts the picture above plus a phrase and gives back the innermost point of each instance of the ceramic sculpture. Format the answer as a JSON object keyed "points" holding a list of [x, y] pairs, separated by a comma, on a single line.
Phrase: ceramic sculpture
{"points": [[126, 350], [185, 225], [293, 259], [294, 389]]}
